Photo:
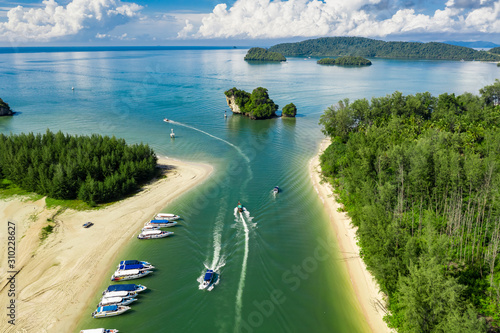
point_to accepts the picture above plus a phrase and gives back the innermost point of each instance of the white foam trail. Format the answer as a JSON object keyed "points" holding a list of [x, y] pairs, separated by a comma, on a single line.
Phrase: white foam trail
{"points": [[241, 284], [215, 137]]}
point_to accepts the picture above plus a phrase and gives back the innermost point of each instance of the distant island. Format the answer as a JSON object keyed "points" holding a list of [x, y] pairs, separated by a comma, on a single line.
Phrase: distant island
{"points": [[345, 61], [256, 105], [371, 48], [260, 54], [5, 109]]}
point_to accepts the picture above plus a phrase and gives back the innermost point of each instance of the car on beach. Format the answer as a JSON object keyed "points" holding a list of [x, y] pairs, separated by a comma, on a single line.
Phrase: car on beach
{"points": [[88, 224]]}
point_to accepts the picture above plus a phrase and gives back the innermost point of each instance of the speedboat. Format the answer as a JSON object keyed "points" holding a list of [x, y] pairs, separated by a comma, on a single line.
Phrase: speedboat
{"points": [[129, 274], [161, 223], [276, 190], [167, 216], [109, 311], [131, 288], [139, 267], [166, 120], [240, 207], [208, 278], [116, 301], [135, 262], [150, 227], [152, 234], [100, 330], [119, 293]]}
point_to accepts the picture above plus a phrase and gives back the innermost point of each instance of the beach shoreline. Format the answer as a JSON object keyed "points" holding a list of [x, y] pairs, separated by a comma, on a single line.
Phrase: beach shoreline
{"points": [[58, 277], [368, 294]]}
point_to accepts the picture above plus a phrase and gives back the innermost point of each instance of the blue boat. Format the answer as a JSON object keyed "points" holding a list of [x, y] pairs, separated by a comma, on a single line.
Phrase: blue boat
{"points": [[140, 267], [109, 311], [134, 262], [161, 223], [208, 278], [125, 287]]}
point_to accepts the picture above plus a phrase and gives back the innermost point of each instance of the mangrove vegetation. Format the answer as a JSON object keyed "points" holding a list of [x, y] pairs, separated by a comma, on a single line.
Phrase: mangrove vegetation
{"points": [[345, 61]]}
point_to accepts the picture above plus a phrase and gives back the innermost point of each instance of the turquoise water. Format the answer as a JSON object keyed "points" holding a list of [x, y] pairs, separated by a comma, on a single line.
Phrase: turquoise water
{"points": [[280, 270]]}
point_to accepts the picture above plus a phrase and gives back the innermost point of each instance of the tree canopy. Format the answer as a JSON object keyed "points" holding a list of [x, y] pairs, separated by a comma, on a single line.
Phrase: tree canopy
{"points": [[370, 48], [420, 177], [345, 61], [94, 168], [260, 54], [290, 110], [495, 50]]}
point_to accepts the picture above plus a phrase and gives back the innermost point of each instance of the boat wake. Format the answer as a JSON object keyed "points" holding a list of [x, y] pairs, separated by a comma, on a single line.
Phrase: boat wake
{"points": [[218, 260], [245, 219], [213, 136]]}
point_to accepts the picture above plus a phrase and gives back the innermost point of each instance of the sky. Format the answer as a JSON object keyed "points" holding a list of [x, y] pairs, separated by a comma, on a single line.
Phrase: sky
{"points": [[242, 22]]}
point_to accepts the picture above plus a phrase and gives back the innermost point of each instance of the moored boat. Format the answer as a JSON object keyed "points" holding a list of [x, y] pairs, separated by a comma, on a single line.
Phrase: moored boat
{"points": [[100, 330], [130, 274], [109, 311], [119, 293], [150, 227], [167, 216], [161, 223], [139, 267], [116, 301], [135, 288], [135, 262], [152, 234]]}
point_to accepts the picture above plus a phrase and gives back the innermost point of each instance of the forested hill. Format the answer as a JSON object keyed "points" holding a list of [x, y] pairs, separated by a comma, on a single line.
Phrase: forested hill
{"points": [[370, 48], [495, 50], [420, 177]]}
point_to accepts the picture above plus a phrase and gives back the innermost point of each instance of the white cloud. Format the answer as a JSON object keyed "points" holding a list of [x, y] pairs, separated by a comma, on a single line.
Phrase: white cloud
{"points": [[309, 18], [53, 21]]}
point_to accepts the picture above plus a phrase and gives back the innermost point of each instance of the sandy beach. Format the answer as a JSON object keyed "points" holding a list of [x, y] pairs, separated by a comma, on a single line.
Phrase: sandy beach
{"points": [[51, 289], [367, 291]]}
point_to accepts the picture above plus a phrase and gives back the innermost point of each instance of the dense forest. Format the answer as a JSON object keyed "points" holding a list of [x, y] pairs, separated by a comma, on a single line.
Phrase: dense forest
{"points": [[495, 50], [370, 48], [420, 177], [260, 54], [256, 105], [290, 110], [345, 61], [94, 169]]}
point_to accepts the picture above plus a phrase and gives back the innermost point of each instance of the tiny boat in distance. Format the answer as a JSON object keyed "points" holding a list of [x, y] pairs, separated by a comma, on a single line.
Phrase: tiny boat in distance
{"points": [[161, 223], [129, 274], [167, 216], [105, 301], [208, 278], [240, 207], [100, 330], [135, 262], [152, 234], [109, 311], [166, 120], [119, 293], [131, 288], [276, 190]]}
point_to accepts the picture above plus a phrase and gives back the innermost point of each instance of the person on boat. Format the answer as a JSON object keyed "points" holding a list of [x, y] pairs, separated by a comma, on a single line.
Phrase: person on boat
{"points": [[240, 207]]}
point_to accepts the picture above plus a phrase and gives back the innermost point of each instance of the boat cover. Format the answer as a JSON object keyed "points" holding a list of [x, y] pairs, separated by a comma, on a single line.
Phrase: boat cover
{"points": [[127, 272], [107, 308], [208, 275], [94, 330], [125, 267], [159, 221], [130, 262], [111, 300], [123, 287]]}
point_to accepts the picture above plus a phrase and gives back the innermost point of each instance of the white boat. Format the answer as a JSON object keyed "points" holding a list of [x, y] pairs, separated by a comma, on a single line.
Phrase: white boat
{"points": [[119, 293], [127, 263], [276, 190], [129, 274], [152, 234], [139, 267], [208, 278], [132, 289], [116, 301], [150, 227], [100, 330], [109, 311], [167, 216], [161, 223]]}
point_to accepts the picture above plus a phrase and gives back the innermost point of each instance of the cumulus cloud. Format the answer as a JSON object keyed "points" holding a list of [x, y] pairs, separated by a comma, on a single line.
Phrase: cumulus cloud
{"points": [[52, 21], [310, 18]]}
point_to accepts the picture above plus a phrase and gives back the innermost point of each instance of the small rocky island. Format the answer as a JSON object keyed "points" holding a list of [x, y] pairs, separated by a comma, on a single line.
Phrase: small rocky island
{"points": [[289, 111], [5, 109], [260, 54], [345, 61], [256, 105]]}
